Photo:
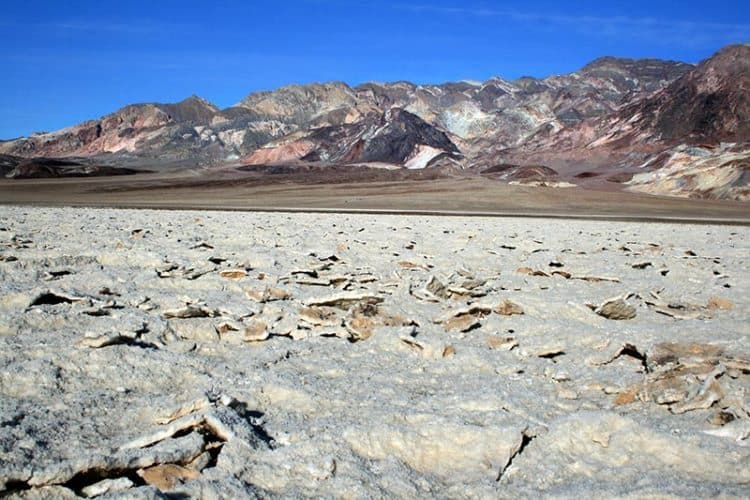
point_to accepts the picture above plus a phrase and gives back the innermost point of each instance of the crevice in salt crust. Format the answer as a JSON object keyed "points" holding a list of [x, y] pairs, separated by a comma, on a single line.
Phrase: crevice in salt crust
{"points": [[526, 439], [632, 351]]}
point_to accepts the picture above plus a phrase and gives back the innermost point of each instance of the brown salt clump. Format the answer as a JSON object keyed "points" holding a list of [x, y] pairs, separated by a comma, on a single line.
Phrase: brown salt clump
{"points": [[709, 394], [462, 323], [190, 311], [361, 327], [166, 477], [321, 315], [531, 272], [627, 396], [723, 417], [233, 274], [596, 279], [256, 331], [501, 343], [508, 308], [405, 264], [268, 294], [564, 274], [225, 327], [412, 344], [715, 302], [616, 309]]}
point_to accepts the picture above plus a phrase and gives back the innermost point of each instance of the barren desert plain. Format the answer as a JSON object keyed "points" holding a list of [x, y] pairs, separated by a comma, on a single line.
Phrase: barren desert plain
{"points": [[230, 354]]}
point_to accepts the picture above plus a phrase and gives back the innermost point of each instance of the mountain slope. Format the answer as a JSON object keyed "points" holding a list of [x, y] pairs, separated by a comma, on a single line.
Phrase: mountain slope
{"points": [[648, 124], [710, 103], [505, 112], [137, 128], [681, 140], [396, 137]]}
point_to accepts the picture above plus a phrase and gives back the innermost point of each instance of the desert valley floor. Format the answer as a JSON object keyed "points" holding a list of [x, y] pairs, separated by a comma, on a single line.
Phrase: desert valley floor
{"points": [[361, 190], [238, 354]]}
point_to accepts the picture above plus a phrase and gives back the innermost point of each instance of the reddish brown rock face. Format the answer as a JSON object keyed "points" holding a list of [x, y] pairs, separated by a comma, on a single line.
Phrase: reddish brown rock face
{"points": [[709, 104]]}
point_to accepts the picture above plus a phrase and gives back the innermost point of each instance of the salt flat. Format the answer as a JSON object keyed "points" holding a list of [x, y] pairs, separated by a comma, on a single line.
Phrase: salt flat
{"points": [[231, 354]]}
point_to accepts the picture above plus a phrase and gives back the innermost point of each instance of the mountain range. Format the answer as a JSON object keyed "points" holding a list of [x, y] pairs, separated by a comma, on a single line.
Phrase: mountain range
{"points": [[661, 127]]}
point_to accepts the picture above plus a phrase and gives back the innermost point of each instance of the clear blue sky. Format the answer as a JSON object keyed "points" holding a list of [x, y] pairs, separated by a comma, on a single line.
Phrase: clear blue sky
{"points": [[65, 61]]}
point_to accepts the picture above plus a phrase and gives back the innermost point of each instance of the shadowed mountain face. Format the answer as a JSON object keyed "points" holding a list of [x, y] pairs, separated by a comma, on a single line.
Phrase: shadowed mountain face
{"points": [[613, 116], [708, 104]]}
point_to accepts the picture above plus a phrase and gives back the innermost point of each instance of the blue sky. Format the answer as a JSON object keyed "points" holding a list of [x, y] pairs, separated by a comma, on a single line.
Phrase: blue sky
{"points": [[63, 62]]}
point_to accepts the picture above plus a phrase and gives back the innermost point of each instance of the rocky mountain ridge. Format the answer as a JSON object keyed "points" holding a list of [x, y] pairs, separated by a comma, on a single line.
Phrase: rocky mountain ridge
{"points": [[465, 110], [616, 115]]}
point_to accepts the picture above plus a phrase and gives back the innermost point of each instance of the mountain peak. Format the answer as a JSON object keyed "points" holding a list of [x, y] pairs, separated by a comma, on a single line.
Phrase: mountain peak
{"points": [[196, 99], [646, 67]]}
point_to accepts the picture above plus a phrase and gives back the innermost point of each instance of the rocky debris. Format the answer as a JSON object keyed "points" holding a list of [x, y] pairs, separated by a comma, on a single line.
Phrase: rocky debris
{"points": [[616, 309], [182, 410], [458, 287], [569, 276], [472, 310], [463, 319], [435, 288], [676, 309], [628, 350], [686, 377], [596, 279], [173, 270], [427, 349], [548, 351]]}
